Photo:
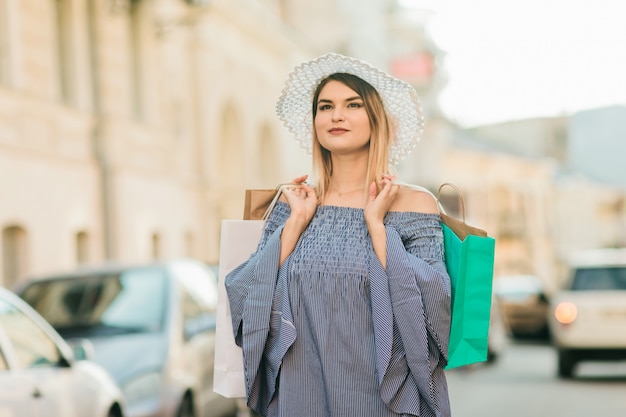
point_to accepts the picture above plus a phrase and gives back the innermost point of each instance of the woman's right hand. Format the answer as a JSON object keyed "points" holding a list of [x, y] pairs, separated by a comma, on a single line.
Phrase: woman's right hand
{"points": [[302, 200]]}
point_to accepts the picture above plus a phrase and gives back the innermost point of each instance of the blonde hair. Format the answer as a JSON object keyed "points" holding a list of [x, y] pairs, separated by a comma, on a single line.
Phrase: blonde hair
{"points": [[380, 139]]}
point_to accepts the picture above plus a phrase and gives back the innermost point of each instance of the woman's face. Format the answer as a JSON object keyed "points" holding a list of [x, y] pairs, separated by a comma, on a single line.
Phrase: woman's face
{"points": [[341, 123]]}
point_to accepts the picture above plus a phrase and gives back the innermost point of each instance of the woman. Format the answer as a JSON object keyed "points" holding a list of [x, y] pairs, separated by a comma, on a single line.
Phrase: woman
{"points": [[344, 308]]}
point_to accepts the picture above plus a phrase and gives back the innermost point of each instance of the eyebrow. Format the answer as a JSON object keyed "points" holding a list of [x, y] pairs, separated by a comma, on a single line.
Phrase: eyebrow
{"points": [[324, 100]]}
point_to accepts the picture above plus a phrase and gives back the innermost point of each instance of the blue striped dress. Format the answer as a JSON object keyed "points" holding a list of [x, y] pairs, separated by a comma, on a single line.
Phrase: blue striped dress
{"points": [[331, 333]]}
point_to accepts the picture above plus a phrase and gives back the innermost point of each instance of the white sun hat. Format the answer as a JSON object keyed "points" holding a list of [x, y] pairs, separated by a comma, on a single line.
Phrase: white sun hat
{"points": [[399, 99]]}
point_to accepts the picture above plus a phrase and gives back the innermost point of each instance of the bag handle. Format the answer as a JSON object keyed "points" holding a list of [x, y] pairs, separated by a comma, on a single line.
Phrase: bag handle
{"points": [[281, 187], [459, 194], [279, 191]]}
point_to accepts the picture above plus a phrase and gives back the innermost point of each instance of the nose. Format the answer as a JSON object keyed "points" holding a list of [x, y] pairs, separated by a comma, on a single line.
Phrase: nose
{"points": [[337, 115]]}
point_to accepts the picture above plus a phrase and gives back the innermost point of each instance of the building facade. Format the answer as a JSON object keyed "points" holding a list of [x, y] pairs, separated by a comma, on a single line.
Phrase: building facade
{"points": [[555, 188], [129, 129]]}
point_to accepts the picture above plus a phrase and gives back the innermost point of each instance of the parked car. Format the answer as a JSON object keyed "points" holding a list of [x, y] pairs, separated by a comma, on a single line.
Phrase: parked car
{"points": [[39, 374], [588, 316], [152, 327], [524, 305]]}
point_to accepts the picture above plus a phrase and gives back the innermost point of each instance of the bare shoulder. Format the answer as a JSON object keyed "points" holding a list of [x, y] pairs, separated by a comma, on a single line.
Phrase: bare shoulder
{"points": [[413, 200]]}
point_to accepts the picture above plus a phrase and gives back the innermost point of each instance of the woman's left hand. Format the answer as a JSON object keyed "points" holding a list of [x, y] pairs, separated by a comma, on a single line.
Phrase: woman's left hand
{"points": [[378, 204]]}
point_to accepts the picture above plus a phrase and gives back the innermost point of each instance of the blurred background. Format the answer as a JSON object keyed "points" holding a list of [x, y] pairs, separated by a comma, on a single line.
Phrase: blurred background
{"points": [[129, 129]]}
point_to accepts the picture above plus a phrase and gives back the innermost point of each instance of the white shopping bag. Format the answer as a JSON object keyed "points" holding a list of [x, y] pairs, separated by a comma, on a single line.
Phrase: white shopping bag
{"points": [[238, 241]]}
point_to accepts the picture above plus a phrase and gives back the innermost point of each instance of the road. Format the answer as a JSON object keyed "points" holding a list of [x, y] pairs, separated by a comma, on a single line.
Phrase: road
{"points": [[522, 383]]}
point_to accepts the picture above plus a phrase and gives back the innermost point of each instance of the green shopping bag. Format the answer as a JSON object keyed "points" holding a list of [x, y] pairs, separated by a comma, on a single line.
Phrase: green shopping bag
{"points": [[469, 257]]}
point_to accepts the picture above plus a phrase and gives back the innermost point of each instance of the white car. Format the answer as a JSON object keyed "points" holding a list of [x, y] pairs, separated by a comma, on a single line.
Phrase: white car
{"points": [[39, 375], [588, 317], [152, 327]]}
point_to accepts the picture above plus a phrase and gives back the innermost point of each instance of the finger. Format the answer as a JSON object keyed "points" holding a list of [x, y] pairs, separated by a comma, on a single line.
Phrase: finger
{"points": [[389, 177], [293, 191], [300, 179], [372, 191], [393, 190], [389, 190], [307, 191], [306, 188], [385, 184]]}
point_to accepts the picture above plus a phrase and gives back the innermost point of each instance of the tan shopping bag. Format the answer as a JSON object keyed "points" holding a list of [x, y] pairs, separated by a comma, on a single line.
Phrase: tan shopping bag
{"points": [[238, 241], [256, 203]]}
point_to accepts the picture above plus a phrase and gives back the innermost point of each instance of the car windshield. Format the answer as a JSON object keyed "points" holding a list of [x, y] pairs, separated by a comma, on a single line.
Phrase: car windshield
{"points": [[518, 287], [598, 279], [130, 301]]}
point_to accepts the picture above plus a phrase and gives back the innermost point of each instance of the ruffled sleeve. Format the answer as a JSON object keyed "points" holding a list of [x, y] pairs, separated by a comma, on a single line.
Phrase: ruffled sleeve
{"points": [[261, 314], [411, 313]]}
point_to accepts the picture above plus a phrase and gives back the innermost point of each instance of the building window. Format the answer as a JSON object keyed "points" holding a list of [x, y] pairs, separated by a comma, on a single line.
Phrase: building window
{"points": [[230, 159], [82, 247], [189, 244], [64, 37], [268, 157], [5, 52], [13, 255], [155, 245], [135, 20]]}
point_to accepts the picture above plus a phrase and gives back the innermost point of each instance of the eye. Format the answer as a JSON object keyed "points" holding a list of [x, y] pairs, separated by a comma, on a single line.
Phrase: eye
{"points": [[355, 105], [324, 107]]}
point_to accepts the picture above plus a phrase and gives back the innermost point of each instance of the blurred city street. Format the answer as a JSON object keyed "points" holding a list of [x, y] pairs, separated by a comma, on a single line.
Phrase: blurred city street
{"points": [[523, 382], [130, 130]]}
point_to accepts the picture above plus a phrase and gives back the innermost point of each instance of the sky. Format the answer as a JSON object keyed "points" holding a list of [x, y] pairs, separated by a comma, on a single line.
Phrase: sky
{"points": [[508, 60]]}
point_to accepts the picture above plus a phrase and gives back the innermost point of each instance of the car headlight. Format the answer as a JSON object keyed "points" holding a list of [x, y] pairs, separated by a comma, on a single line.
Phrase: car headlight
{"points": [[565, 312], [142, 388]]}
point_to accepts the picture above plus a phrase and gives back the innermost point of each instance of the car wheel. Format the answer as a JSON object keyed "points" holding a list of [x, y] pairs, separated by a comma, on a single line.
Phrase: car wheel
{"points": [[186, 407], [566, 364]]}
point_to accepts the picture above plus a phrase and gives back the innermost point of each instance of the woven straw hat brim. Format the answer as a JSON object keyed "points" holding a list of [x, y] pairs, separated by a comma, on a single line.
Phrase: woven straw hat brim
{"points": [[399, 98]]}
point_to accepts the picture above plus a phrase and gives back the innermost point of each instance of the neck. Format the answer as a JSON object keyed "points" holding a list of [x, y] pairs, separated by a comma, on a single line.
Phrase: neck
{"points": [[346, 196], [342, 193], [349, 174], [346, 184]]}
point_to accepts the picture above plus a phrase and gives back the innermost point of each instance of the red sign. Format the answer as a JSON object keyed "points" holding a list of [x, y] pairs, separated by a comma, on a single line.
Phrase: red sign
{"points": [[416, 68]]}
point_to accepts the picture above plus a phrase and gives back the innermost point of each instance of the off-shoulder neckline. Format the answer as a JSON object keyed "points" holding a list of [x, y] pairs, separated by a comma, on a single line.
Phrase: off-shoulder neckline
{"points": [[360, 210]]}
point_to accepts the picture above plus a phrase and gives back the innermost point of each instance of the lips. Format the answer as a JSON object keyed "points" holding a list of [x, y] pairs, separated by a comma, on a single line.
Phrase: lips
{"points": [[337, 131]]}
